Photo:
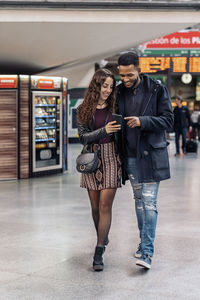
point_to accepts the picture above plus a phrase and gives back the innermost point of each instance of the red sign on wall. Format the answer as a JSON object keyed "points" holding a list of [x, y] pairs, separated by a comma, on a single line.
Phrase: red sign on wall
{"points": [[189, 39], [45, 83], [8, 82]]}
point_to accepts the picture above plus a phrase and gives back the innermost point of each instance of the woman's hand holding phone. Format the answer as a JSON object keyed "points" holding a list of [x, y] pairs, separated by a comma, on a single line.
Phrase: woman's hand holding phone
{"points": [[112, 127]]}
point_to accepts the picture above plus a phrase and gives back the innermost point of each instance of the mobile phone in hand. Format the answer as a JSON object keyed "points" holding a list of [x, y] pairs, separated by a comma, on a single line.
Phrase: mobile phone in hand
{"points": [[117, 118]]}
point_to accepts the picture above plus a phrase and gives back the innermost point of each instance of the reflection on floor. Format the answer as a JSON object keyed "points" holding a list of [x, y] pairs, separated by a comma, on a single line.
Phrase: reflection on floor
{"points": [[47, 239]]}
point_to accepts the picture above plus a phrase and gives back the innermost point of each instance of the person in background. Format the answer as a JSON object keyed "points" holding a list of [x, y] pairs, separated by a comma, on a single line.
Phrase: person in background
{"points": [[146, 107], [96, 129], [182, 123], [195, 122]]}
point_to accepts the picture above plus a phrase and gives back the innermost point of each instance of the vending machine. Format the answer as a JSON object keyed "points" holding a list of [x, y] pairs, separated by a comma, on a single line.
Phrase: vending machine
{"points": [[48, 100]]}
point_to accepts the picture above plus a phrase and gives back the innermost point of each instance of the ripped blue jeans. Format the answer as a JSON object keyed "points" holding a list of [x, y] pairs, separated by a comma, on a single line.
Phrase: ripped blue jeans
{"points": [[145, 195]]}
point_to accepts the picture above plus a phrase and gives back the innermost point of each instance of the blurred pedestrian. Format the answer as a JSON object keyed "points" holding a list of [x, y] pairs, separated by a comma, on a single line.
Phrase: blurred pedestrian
{"points": [[195, 122], [182, 123]]}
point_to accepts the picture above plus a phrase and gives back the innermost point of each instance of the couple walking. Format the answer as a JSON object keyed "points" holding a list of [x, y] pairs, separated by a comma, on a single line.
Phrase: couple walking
{"points": [[136, 149]]}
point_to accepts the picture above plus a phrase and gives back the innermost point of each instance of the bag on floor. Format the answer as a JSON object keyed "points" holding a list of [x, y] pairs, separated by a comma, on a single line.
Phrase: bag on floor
{"points": [[191, 146]]}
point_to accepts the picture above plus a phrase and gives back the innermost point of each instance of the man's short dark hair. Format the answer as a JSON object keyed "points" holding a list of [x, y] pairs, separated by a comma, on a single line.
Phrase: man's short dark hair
{"points": [[179, 99], [129, 58]]}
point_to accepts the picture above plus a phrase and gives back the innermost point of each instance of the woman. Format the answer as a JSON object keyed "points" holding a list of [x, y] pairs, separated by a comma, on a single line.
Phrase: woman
{"points": [[96, 128]]}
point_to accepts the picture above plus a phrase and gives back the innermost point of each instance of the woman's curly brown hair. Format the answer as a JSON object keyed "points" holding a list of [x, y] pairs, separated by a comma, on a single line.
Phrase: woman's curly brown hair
{"points": [[86, 110]]}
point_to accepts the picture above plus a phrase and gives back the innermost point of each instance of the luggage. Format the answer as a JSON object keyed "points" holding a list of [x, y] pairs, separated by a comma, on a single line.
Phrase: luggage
{"points": [[189, 134], [191, 146]]}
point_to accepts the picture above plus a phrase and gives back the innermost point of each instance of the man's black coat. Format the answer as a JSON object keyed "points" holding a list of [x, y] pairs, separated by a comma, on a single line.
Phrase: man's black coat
{"points": [[156, 117], [181, 118]]}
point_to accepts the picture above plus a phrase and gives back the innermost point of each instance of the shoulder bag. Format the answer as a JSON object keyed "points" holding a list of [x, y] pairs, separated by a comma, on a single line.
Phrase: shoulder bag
{"points": [[87, 161]]}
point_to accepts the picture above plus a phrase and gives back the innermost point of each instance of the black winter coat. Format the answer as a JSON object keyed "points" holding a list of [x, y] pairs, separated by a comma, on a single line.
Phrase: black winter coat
{"points": [[181, 117], [156, 118]]}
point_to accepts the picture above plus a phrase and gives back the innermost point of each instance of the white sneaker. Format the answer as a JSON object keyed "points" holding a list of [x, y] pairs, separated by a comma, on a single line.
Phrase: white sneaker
{"points": [[144, 261]]}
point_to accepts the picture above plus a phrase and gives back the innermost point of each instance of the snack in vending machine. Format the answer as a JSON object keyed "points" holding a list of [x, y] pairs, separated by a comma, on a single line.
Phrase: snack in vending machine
{"points": [[44, 101], [40, 146], [52, 145]]}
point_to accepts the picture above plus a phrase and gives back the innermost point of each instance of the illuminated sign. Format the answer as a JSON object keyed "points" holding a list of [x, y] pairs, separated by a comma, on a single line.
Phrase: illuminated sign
{"points": [[153, 64], [8, 82], [176, 64], [194, 64], [179, 64], [190, 39], [47, 83]]}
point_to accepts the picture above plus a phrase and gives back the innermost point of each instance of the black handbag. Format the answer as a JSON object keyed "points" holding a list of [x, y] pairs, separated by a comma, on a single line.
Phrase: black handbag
{"points": [[87, 161]]}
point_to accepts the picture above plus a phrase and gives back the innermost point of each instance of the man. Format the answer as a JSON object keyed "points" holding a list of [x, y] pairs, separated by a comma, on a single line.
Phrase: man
{"points": [[146, 108], [181, 124]]}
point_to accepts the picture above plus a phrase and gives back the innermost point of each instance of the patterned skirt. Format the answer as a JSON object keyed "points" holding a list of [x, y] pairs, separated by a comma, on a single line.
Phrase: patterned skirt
{"points": [[108, 173]]}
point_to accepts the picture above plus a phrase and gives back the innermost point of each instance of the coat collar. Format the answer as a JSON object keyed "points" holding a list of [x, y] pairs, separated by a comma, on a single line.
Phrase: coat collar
{"points": [[150, 87]]}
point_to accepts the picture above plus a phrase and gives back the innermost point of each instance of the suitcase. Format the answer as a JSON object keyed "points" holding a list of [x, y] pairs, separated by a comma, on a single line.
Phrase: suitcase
{"points": [[191, 146]]}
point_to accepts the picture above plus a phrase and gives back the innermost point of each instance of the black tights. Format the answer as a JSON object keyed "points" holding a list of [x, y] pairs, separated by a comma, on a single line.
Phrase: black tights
{"points": [[101, 204]]}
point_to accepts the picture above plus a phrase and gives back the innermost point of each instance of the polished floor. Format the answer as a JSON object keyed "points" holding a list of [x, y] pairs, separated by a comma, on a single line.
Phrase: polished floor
{"points": [[47, 240]]}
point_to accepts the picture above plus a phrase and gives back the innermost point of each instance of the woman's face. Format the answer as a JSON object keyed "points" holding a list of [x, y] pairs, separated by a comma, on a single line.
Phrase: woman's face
{"points": [[106, 88]]}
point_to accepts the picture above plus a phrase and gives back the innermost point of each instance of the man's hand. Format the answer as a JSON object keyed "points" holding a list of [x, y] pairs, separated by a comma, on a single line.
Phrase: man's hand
{"points": [[133, 121]]}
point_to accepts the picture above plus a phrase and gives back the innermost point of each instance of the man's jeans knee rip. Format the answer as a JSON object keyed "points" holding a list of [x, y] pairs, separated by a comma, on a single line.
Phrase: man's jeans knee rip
{"points": [[149, 195], [137, 191], [139, 206], [137, 186]]}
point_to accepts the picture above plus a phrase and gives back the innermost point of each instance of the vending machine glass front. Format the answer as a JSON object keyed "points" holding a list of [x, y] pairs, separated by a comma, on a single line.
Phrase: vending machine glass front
{"points": [[47, 131]]}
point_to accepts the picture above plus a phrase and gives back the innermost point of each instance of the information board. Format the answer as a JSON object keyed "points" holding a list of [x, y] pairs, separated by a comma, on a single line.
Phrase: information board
{"points": [[175, 64]]}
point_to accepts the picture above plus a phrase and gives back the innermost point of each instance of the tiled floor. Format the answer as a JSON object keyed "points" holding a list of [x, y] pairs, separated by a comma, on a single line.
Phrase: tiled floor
{"points": [[47, 240]]}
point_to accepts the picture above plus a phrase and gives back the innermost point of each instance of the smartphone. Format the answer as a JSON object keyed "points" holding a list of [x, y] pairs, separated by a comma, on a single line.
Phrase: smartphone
{"points": [[117, 118]]}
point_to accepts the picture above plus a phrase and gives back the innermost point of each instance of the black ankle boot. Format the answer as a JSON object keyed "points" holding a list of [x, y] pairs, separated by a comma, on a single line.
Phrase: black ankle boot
{"points": [[98, 259]]}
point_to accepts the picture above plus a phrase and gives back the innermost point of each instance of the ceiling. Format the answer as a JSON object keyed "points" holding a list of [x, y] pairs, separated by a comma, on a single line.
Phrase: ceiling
{"points": [[69, 42]]}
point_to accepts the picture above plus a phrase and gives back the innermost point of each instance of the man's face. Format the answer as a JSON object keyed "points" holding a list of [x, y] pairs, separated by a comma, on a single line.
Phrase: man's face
{"points": [[129, 75], [178, 102]]}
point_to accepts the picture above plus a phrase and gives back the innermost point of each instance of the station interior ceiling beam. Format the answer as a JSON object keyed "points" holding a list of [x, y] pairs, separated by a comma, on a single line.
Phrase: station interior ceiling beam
{"points": [[68, 42]]}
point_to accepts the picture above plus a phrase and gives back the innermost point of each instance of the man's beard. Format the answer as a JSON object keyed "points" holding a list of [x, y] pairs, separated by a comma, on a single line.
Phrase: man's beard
{"points": [[135, 82]]}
